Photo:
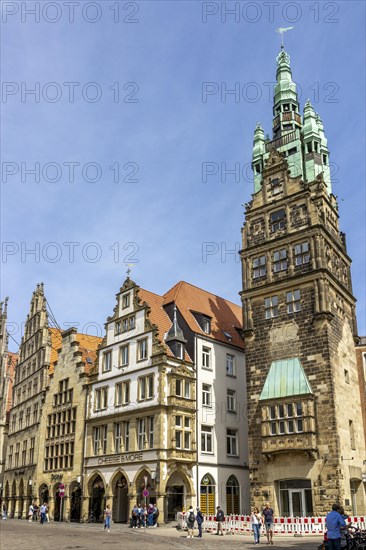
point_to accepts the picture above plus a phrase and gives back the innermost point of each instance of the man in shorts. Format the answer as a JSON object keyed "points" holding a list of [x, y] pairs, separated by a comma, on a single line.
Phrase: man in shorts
{"points": [[268, 515]]}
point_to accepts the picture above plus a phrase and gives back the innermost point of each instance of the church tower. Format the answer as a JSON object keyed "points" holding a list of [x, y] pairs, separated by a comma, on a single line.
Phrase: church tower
{"points": [[306, 441]]}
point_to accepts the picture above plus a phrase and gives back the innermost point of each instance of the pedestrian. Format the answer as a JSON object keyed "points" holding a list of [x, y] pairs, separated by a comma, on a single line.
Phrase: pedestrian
{"points": [[191, 518], [155, 515], [107, 518], [35, 511], [150, 516], [268, 516], [334, 522], [256, 520], [30, 513], [199, 519], [43, 513], [220, 517], [4, 511], [134, 516], [47, 509]]}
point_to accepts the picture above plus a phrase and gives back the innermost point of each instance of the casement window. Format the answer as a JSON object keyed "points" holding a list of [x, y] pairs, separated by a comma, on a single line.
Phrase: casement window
{"points": [[206, 439], [182, 388], [259, 267], [146, 387], [141, 349], [125, 300], [24, 453], [301, 253], [286, 418], [35, 413], [17, 450], [280, 260], [293, 301], [13, 422], [179, 349], [31, 450], [230, 364], [126, 435], [206, 325], [232, 442], [128, 323], [100, 440], [278, 220], [122, 393], [20, 420], [124, 353], [141, 430], [206, 357], [10, 456], [206, 395], [183, 432], [59, 456], [271, 307], [117, 327], [150, 421], [101, 398], [275, 186], [27, 417], [107, 361], [230, 400]]}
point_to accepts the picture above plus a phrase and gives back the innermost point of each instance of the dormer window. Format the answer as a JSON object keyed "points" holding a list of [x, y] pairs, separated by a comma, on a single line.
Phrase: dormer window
{"points": [[206, 325], [179, 350], [125, 300]]}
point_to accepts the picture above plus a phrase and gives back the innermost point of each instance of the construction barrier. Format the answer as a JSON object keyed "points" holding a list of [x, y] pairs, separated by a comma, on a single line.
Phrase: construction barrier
{"points": [[282, 525]]}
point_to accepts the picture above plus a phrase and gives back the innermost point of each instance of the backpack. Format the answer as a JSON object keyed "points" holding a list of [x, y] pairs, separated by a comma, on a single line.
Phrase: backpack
{"points": [[191, 517]]}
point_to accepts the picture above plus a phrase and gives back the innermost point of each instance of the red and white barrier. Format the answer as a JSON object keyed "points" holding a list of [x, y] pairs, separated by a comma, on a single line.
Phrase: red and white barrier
{"points": [[282, 525]]}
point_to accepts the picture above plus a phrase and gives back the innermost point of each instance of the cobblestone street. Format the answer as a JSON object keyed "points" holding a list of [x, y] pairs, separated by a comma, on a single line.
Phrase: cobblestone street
{"points": [[20, 535]]}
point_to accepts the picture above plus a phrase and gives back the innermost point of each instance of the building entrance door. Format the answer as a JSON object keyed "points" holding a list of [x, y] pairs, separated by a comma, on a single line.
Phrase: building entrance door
{"points": [[175, 496], [295, 498], [297, 502]]}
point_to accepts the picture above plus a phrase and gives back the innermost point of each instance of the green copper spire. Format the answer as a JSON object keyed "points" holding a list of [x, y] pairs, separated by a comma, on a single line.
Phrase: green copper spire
{"points": [[285, 89], [301, 140]]}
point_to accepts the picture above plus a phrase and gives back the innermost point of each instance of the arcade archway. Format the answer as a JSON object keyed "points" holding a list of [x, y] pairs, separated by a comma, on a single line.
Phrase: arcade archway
{"points": [[96, 498], [120, 498], [75, 501]]}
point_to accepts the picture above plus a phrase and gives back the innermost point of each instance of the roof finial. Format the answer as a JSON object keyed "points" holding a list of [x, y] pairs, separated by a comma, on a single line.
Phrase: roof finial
{"points": [[129, 270], [281, 31]]}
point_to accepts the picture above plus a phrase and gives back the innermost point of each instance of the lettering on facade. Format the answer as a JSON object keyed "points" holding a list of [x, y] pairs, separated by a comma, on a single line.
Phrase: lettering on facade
{"points": [[119, 459]]}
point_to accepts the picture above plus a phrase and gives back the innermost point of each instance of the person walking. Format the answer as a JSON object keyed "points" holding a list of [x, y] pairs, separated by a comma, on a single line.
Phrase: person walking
{"points": [[107, 518], [199, 519], [256, 520], [150, 515], [43, 513], [220, 517], [268, 516], [334, 522], [134, 516], [191, 518], [30, 513], [35, 511]]}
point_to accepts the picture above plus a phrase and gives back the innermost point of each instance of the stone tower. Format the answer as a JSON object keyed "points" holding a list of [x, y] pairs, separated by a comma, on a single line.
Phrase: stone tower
{"points": [[306, 438]]}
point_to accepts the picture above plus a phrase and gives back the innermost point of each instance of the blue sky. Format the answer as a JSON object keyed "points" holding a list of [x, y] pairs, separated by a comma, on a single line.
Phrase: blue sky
{"points": [[160, 222]]}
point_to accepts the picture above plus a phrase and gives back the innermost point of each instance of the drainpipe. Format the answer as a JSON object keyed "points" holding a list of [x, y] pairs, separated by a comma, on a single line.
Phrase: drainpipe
{"points": [[197, 442]]}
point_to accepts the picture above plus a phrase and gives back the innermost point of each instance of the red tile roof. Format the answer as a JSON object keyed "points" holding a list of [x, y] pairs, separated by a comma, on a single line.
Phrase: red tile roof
{"points": [[226, 317], [159, 317]]}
